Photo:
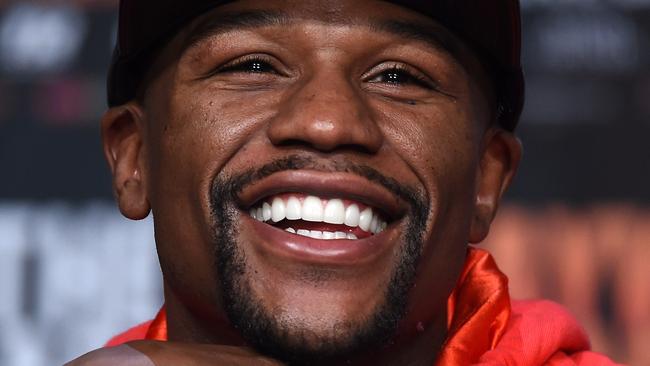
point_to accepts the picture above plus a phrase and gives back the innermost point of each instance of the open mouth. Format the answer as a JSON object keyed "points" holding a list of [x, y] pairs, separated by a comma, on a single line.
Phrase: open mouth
{"points": [[323, 218], [319, 217]]}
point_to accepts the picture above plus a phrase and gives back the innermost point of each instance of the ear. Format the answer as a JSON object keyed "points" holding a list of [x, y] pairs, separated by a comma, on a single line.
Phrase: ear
{"points": [[122, 136], [498, 165]]}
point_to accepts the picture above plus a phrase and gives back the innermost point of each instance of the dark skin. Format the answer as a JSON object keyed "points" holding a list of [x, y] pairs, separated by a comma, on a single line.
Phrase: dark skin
{"points": [[329, 85]]}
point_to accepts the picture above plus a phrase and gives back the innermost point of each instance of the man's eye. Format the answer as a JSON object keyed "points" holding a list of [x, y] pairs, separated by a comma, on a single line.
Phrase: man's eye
{"points": [[400, 77], [248, 66]]}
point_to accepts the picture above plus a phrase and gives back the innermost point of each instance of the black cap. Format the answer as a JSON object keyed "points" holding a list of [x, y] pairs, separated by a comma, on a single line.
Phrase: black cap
{"points": [[491, 28]]}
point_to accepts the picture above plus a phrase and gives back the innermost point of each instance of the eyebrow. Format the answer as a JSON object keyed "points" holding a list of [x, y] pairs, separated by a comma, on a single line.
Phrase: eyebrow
{"points": [[435, 36], [225, 22]]}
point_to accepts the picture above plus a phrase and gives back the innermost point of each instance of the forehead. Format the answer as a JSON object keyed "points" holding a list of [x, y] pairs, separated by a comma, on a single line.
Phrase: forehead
{"points": [[330, 11], [326, 10], [378, 16], [398, 24]]}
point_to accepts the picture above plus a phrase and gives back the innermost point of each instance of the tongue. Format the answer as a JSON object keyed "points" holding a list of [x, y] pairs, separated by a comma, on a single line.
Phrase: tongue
{"points": [[320, 226]]}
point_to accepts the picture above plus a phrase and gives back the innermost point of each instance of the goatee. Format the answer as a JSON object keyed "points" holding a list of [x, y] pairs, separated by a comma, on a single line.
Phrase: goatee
{"points": [[290, 342]]}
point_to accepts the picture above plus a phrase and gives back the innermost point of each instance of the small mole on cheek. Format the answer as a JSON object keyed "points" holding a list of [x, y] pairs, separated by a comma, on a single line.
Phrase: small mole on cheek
{"points": [[211, 103], [420, 327]]}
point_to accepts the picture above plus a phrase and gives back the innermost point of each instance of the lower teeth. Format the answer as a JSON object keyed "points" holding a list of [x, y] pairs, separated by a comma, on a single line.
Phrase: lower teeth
{"points": [[325, 235]]}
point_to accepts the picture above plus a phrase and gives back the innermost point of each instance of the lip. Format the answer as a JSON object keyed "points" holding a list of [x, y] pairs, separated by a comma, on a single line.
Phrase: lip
{"points": [[325, 185]]}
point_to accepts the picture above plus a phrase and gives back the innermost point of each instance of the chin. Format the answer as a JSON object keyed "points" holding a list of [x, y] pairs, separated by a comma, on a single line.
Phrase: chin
{"points": [[305, 335]]}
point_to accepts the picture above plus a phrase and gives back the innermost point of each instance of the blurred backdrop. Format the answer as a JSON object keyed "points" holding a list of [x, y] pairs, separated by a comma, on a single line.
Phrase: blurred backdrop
{"points": [[575, 227]]}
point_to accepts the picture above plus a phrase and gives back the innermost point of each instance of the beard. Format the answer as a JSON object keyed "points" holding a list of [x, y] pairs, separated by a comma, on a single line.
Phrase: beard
{"points": [[289, 341]]}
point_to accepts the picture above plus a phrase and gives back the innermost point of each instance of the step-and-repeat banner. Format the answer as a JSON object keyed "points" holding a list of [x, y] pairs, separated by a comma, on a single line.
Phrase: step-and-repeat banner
{"points": [[73, 271]]}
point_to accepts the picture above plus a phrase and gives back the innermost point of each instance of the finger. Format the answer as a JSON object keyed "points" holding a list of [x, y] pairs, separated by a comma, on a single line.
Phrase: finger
{"points": [[174, 353], [121, 355]]}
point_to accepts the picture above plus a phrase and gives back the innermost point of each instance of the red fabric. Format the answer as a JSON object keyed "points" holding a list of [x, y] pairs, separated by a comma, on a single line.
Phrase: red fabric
{"points": [[154, 330], [542, 333], [478, 310], [137, 333], [485, 328]]}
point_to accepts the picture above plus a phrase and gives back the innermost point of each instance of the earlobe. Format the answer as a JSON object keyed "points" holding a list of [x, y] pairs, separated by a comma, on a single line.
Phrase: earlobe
{"points": [[122, 137], [499, 162]]}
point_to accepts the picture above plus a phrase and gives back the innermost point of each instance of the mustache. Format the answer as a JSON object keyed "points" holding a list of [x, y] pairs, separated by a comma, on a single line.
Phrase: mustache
{"points": [[228, 187]]}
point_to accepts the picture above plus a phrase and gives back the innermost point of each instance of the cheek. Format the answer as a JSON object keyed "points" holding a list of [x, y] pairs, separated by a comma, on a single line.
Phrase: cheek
{"points": [[198, 132], [193, 135], [440, 144]]}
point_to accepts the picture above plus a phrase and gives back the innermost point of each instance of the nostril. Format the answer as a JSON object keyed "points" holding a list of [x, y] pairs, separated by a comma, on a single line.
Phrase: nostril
{"points": [[355, 148], [296, 143]]}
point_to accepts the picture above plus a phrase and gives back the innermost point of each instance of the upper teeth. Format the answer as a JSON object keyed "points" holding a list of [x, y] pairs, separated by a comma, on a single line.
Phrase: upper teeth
{"points": [[316, 209]]}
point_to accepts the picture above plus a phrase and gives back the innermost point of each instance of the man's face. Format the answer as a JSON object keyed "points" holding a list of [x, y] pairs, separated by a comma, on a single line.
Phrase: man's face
{"points": [[314, 171]]}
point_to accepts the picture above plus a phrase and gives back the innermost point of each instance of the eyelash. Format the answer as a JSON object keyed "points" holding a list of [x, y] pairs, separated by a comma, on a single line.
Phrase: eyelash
{"points": [[240, 65], [413, 76], [257, 64]]}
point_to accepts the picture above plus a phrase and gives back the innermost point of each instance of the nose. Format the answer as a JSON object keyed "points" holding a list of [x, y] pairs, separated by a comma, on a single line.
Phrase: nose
{"points": [[326, 113]]}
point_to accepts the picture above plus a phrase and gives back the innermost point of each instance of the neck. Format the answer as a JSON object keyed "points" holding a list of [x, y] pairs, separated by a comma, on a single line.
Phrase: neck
{"points": [[197, 324]]}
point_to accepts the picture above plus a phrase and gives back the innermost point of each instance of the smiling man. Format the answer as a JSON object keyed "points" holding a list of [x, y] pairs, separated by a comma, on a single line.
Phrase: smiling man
{"points": [[316, 170]]}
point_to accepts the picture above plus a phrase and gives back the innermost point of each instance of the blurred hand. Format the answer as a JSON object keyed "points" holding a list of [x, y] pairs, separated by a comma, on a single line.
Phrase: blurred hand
{"points": [[153, 353]]}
